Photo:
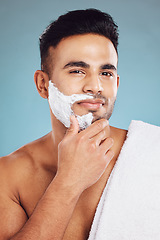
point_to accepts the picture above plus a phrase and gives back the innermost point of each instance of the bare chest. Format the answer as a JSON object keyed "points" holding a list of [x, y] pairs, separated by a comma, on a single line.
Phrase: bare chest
{"points": [[81, 221], [83, 215]]}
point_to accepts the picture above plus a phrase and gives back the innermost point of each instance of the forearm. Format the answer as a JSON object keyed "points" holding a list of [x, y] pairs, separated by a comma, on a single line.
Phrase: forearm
{"points": [[51, 216]]}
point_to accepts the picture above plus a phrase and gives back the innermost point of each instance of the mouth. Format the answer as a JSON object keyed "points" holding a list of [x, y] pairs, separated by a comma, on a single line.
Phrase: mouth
{"points": [[91, 104]]}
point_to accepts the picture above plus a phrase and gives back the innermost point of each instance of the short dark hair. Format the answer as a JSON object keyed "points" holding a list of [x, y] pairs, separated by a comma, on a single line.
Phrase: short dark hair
{"points": [[75, 23]]}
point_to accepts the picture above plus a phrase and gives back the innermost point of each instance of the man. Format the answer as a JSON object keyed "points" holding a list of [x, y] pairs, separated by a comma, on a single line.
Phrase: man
{"points": [[50, 188]]}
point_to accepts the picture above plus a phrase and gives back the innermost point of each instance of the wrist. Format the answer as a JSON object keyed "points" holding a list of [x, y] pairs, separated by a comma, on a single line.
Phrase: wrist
{"points": [[68, 191]]}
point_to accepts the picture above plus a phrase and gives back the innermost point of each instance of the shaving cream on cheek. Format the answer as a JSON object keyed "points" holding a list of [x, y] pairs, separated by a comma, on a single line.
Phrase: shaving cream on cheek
{"points": [[61, 106]]}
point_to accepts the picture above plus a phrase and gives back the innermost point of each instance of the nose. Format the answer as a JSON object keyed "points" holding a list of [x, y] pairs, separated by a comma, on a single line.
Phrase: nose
{"points": [[93, 85]]}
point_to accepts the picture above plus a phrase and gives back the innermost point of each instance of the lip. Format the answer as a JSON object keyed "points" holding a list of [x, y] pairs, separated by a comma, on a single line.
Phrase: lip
{"points": [[91, 104]]}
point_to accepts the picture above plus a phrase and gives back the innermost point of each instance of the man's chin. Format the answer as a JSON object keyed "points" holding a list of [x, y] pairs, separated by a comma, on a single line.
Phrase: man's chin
{"points": [[96, 118]]}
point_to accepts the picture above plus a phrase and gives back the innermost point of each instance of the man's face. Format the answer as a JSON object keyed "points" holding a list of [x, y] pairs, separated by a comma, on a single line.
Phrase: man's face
{"points": [[87, 64]]}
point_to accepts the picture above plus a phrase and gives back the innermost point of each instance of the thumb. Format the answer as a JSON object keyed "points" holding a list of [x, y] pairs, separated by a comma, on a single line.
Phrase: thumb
{"points": [[74, 126]]}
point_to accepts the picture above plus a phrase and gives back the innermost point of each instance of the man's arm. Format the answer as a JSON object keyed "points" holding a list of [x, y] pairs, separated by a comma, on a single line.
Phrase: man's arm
{"points": [[51, 214], [83, 157], [12, 216]]}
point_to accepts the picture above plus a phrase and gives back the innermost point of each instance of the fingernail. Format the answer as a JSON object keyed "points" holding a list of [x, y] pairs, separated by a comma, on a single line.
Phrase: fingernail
{"points": [[106, 122]]}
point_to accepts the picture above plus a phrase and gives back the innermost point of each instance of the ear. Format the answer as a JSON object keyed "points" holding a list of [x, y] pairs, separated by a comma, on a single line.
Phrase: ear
{"points": [[41, 80], [118, 80]]}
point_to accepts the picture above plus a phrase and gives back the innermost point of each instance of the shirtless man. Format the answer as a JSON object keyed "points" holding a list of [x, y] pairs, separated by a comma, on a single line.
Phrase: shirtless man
{"points": [[50, 188]]}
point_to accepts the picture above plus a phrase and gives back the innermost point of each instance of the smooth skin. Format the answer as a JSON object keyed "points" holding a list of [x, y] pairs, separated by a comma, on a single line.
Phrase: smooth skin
{"points": [[50, 188]]}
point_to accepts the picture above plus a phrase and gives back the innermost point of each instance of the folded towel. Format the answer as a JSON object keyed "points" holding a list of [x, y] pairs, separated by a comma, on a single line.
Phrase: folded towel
{"points": [[129, 208]]}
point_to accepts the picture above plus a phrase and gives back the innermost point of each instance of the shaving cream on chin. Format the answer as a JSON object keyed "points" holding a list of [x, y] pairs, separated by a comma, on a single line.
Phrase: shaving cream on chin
{"points": [[61, 106]]}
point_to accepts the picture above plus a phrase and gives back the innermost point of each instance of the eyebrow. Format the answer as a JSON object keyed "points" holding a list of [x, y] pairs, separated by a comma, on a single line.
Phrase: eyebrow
{"points": [[86, 65], [108, 66], [76, 64]]}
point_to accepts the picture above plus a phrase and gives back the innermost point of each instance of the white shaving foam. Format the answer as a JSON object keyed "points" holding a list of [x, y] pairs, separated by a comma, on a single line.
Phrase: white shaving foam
{"points": [[61, 106]]}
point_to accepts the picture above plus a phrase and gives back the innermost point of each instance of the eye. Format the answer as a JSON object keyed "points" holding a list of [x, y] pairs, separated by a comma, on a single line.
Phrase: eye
{"points": [[107, 74], [77, 72]]}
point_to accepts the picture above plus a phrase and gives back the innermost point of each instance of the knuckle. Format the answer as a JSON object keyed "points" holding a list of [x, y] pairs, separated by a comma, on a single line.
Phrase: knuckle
{"points": [[110, 141], [104, 134], [69, 130], [99, 125], [93, 146], [81, 139]]}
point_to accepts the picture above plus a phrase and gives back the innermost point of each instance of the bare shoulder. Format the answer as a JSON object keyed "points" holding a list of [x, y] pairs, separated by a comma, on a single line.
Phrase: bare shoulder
{"points": [[24, 176], [22, 158], [12, 166], [26, 173], [21, 165], [119, 133], [13, 216], [119, 136]]}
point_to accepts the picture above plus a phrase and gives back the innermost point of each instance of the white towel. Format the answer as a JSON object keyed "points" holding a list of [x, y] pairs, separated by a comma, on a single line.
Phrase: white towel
{"points": [[129, 208]]}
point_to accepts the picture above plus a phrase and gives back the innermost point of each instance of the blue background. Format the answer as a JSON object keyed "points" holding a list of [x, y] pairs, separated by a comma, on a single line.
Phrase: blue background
{"points": [[24, 115]]}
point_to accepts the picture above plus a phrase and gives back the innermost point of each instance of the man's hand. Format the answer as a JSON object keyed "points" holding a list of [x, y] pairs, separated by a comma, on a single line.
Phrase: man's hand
{"points": [[83, 156]]}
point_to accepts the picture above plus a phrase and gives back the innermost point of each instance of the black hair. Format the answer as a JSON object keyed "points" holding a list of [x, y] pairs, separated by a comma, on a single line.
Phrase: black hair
{"points": [[75, 23]]}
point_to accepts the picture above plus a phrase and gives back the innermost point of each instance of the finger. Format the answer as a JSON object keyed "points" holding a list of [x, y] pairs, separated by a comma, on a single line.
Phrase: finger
{"points": [[74, 126], [101, 136], [95, 128], [109, 156], [107, 144]]}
